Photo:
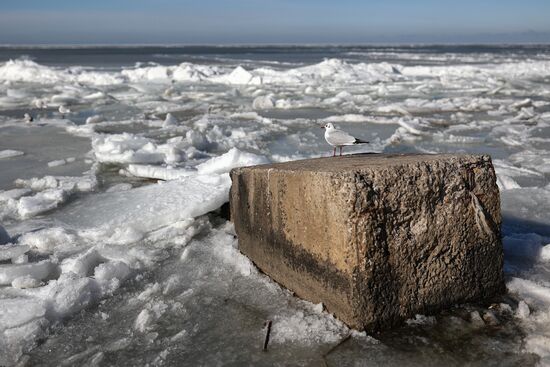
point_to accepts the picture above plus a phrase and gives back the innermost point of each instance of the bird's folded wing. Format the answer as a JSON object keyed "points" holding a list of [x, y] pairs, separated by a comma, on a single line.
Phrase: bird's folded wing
{"points": [[339, 137]]}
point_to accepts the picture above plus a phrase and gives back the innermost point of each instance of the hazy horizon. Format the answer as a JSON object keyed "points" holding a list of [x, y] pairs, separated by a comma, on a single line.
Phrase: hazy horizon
{"points": [[278, 44], [243, 22]]}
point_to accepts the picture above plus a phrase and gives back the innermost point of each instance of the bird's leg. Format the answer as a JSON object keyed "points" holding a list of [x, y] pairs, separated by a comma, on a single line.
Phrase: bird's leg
{"points": [[341, 151], [334, 152]]}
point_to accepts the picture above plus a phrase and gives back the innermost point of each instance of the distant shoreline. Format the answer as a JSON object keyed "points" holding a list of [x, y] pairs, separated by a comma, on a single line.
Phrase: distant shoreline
{"points": [[271, 45]]}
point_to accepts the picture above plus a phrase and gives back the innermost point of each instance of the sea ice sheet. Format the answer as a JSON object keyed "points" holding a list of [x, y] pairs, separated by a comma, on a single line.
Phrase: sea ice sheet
{"points": [[106, 205]]}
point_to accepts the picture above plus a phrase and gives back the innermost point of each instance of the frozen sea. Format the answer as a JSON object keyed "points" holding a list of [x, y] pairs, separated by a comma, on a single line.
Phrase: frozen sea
{"points": [[113, 247]]}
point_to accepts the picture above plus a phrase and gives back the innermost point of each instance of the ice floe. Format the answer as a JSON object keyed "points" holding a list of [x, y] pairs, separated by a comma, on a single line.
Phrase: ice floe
{"points": [[232, 159], [39, 195], [128, 148], [10, 153]]}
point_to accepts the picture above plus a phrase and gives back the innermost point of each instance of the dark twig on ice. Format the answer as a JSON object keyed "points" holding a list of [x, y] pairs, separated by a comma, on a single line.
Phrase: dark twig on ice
{"points": [[342, 341], [267, 332]]}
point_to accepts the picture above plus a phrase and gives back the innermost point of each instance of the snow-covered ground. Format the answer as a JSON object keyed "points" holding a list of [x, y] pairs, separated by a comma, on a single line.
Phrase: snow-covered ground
{"points": [[113, 248]]}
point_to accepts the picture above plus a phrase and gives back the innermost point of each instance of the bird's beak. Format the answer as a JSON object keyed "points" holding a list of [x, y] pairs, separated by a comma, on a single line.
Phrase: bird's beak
{"points": [[322, 127]]}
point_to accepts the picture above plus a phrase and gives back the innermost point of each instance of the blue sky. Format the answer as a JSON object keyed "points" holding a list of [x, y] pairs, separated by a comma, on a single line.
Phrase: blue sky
{"points": [[272, 21]]}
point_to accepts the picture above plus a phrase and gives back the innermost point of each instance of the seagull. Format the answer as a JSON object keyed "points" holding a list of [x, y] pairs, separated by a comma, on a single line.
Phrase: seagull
{"points": [[64, 111], [28, 118], [40, 103], [339, 138]]}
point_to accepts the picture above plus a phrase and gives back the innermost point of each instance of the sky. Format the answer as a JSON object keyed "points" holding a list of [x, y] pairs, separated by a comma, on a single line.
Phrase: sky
{"points": [[273, 21]]}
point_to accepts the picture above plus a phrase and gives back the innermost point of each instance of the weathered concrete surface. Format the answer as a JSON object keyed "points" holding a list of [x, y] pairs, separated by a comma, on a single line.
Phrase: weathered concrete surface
{"points": [[377, 238]]}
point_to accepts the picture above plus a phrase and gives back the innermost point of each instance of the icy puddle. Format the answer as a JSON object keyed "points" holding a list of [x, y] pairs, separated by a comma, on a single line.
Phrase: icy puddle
{"points": [[40, 153]]}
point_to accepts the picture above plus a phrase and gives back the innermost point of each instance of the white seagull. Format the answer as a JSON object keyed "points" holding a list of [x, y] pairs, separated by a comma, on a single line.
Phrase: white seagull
{"points": [[40, 103], [28, 118], [339, 138], [63, 111]]}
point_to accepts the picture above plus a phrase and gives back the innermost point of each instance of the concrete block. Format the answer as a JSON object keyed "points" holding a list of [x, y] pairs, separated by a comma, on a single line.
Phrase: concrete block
{"points": [[377, 238]]}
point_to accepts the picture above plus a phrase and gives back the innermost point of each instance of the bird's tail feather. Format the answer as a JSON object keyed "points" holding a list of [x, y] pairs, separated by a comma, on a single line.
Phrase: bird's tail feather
{"points": [[359, 141]]}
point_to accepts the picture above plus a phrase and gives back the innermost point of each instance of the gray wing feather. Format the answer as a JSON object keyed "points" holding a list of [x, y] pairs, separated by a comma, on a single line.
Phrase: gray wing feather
{"points": [[339, 137]]}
